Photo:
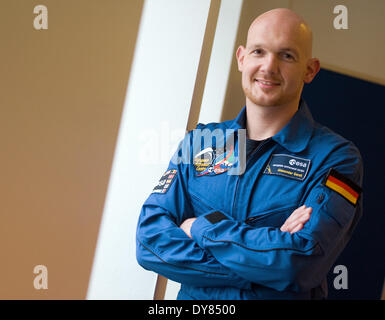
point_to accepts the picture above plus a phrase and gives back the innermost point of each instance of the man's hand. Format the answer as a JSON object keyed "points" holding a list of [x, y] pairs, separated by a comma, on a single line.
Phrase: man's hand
{"points": [[294, 223], [186, 226], [297, 219]]}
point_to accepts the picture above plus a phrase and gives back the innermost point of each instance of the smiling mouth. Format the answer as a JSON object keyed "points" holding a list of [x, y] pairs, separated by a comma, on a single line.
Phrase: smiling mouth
{"points": [[267, 83]]}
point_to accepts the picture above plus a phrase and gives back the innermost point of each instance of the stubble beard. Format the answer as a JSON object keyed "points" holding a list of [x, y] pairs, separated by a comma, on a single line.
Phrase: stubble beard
{"points": [[263, 100]]}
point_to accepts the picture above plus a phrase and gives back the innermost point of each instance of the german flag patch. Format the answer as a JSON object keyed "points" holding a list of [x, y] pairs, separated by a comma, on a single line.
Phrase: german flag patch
{"points": [[342, 185]]}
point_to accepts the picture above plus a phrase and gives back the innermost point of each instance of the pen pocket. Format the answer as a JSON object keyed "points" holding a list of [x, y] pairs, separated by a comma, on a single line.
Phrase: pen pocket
{"points": [[271, 218]]}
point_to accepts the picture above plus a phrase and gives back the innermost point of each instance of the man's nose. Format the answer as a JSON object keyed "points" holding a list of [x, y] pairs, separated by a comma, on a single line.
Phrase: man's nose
{"points": [[270, 64]]}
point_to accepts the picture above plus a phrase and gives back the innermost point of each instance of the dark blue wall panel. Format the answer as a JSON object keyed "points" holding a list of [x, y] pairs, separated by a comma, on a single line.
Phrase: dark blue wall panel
{"points": [[355, 109]]}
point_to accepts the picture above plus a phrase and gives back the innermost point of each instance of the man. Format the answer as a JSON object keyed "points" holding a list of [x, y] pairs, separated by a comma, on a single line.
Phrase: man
{"points": [[274, 230]]}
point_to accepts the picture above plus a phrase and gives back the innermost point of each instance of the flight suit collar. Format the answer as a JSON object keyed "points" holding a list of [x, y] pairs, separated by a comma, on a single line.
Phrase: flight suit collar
{"points": [[295, 136]]}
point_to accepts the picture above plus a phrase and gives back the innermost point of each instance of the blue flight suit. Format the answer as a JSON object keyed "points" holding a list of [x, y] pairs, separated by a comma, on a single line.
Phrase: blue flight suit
{"points": [[237, 250]]}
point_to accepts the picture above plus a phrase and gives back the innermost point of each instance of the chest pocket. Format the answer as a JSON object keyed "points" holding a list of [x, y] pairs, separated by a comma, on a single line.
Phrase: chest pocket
{"points": [[273, 218], [199, 207]]}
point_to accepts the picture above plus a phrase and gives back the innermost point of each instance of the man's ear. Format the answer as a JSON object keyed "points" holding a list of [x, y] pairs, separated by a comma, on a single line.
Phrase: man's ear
{"points": [[312, 68], [240, 56]]}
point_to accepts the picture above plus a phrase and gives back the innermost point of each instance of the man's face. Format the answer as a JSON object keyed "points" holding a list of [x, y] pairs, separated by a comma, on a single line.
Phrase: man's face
{"points": [[274, 62]]}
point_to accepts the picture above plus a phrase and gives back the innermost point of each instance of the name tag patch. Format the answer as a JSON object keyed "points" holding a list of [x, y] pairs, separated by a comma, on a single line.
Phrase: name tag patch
{"points": [[288, 166]]}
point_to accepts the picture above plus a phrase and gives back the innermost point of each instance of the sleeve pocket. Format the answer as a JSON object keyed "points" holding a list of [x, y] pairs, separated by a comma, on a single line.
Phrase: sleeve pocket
{"points": [[330, 218]]}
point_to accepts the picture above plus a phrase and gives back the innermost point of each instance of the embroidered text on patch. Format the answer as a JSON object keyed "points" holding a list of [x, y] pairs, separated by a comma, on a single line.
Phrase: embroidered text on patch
{"points": [[288, 166], [213, 161], [165, 181]]}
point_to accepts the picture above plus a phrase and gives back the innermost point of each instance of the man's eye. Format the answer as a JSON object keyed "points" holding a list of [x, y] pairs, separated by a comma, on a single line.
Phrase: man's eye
{"points": [[287, 56], [258, 51]]}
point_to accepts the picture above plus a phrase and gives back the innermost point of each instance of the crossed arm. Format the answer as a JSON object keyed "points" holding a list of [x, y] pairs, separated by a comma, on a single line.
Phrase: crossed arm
{"points": [[166, 247], [193, 251], [296, 256], [294, 223]]}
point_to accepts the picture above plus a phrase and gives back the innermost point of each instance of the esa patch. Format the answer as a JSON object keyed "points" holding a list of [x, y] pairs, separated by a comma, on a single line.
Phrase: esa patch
{"points": [[165, 181], [343, 186], [288, 166]]}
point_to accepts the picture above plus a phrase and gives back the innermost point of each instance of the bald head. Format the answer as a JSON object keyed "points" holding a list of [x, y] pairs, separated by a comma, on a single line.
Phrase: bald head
{"points": [[277, 60], [283, 23]]}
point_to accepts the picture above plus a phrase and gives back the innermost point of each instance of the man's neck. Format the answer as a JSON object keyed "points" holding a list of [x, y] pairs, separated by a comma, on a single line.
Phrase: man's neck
{"points": [[264, 122]]}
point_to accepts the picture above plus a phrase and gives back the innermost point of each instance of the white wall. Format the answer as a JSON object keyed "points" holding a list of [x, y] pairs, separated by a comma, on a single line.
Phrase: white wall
{"points": [[154, 119], [217, 77], [220, 61]]}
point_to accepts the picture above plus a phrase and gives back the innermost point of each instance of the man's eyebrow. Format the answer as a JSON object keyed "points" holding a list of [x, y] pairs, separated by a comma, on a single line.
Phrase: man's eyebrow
{"points": [[292, 50], [254, 46], [288, 49]]}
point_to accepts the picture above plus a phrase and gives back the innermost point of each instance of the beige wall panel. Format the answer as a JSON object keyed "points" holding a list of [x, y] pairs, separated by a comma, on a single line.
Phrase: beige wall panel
{"points": [[62, 95], [358, 51]]}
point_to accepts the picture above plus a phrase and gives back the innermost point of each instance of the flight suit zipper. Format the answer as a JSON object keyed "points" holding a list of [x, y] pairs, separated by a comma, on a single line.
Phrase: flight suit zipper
{"points": [[268, 213], [247, 162]]}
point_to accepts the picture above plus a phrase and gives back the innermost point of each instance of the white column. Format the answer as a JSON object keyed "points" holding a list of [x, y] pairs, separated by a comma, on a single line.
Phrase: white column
{"points": [[154, 119], [217, 77], [220, 62]]}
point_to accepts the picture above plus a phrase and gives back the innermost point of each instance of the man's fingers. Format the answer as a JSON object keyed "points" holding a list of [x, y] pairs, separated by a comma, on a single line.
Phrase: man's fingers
{"points": [[294, 224], [297, 219], [297, 212], [302, 218], [186, 226], [297, 228]]}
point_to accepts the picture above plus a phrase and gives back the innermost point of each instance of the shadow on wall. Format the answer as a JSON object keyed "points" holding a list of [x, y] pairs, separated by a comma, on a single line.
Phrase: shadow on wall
{"points": [[355, 109]]}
